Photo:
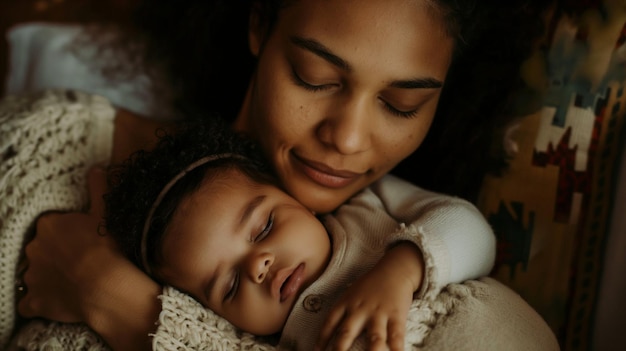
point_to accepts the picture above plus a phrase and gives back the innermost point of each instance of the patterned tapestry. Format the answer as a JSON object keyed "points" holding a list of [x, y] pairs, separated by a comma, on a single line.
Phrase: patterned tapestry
{"points": [[552, 209]]}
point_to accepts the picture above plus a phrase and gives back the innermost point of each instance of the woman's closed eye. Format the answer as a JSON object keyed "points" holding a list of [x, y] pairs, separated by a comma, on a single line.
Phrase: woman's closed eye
{"points": [[397, 112], [298, 80]]}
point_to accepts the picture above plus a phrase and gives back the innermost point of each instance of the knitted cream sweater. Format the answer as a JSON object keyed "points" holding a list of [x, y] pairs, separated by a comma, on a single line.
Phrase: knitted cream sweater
{"points": [[48, 141]]}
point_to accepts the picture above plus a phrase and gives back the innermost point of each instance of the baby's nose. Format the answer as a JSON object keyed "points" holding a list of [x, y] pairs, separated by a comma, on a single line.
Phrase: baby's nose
{"points": [[259, 266]]}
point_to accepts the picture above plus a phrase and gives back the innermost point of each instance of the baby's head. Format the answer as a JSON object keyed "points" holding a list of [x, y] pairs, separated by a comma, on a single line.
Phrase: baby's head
{"points": [[203, 213]]}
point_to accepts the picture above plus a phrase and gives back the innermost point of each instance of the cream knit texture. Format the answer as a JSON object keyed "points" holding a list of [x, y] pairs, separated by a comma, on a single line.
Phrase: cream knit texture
{"points": [[184, 324], [48, 141], [480, 314]]}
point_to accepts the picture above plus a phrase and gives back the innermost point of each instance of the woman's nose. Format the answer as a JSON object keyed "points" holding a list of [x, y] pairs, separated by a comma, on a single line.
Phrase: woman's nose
{"points": [[258, 266], [347, 128]]}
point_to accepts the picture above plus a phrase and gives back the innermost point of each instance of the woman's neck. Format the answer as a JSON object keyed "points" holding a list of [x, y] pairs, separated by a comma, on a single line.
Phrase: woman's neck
{"points": [[242, 122]]}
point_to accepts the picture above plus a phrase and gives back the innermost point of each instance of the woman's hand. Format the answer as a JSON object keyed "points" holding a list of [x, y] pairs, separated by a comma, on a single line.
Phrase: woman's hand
{"points": [[60, 260], [377, 303], [77, 275]]}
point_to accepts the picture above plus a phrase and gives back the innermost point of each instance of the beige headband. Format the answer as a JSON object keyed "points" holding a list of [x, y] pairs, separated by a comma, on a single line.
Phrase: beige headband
{"points": [[166, 189]]}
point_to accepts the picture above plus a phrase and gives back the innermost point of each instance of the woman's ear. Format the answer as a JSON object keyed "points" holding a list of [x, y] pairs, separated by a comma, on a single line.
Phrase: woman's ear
{"points": [[256, 30]]}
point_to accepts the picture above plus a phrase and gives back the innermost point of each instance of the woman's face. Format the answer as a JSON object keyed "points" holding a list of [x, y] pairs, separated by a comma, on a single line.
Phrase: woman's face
{"points": [[344, 90]]}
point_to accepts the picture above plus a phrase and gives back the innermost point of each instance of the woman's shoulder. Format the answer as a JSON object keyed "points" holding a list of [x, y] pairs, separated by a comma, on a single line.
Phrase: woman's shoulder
{"points": [[53, 106], [56, 108], [48, 123]]}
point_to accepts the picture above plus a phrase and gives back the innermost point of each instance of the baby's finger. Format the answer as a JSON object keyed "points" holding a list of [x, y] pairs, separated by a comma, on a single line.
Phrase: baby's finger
{"points": [[377, 334], [349, 329], [395, 334], [334, 318]]}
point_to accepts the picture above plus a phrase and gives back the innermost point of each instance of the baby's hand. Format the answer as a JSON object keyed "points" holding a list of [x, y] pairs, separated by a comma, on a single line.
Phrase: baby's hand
{"points": [[377, 303]]}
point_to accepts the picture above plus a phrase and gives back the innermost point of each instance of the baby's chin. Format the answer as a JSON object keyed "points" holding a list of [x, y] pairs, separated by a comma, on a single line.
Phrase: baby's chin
{"points": [[280, 321], [267, 326]]}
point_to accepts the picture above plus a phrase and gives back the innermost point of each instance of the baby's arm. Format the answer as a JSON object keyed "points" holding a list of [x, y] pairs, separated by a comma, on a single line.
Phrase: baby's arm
{"points": [[423, 231], [377, 303], [456, 241]]}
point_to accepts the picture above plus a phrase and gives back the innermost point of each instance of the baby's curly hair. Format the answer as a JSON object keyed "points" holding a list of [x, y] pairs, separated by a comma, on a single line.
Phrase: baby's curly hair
{"points": [[135, 185]]}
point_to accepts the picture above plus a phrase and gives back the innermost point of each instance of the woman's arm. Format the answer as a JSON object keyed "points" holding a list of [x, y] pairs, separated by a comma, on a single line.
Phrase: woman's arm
{"points": [[77, 275], [83, 278]]}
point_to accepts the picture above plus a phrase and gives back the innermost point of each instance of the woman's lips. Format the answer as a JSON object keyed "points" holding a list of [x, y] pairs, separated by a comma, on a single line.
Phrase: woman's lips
{"points": [[288, 282], [324, 175]]}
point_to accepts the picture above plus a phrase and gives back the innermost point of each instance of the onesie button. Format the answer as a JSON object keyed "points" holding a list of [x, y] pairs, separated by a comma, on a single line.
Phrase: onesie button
{"points": [[312, 303]]}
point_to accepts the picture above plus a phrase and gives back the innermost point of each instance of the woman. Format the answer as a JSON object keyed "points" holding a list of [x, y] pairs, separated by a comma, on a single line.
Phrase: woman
{"points": [[342, 91]]}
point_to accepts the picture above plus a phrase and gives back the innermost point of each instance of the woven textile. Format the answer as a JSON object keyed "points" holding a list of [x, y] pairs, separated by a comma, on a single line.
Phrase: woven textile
{"points": [[552, 209]]}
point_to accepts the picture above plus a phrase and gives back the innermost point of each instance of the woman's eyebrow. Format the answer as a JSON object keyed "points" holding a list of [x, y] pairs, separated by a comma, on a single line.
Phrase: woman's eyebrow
{"points": [[325, 53], [417, 83], [322, 51]]}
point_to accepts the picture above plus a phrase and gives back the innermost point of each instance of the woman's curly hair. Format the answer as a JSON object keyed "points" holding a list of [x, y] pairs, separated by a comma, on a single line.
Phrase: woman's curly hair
{"points": [[135, 185], [201, 47]]}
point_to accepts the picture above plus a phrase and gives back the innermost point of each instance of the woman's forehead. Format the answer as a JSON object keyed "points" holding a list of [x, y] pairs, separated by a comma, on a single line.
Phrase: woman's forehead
{"points": [[408, 34], [370, 10]]}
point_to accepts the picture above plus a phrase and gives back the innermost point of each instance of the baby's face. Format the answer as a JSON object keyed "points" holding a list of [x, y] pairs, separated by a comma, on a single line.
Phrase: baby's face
{"points": [[245, 250]]}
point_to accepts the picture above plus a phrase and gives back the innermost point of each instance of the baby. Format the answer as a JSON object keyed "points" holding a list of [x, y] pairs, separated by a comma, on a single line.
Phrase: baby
{"points": [[203, 213]]}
